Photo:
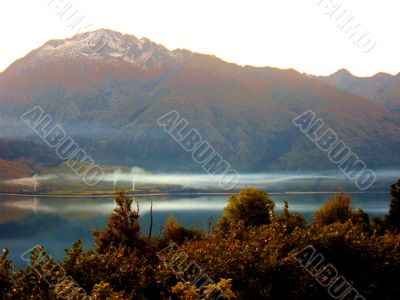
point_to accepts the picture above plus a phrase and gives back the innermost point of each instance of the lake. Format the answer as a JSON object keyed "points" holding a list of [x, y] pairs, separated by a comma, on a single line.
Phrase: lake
{"points": [[56, 222]]}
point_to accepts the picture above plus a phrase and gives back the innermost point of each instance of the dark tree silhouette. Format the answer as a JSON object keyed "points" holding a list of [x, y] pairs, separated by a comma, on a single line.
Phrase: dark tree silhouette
{"points": [[392, 219]]}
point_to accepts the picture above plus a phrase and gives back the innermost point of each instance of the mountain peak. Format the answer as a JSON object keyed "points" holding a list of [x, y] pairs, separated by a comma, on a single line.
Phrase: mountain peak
{"points": [[342, 73], [106, 44]]}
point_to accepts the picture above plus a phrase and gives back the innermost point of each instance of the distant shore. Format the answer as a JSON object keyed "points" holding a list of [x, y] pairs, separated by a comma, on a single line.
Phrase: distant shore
{"points": [[108, 195]]}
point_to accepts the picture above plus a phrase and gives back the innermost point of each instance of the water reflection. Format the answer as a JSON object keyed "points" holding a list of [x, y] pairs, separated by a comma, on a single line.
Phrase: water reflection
{"points": [[57, 222]]}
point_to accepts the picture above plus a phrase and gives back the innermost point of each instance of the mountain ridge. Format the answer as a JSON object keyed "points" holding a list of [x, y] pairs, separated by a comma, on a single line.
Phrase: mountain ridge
{"points": [[382, 88], [245, 112]]}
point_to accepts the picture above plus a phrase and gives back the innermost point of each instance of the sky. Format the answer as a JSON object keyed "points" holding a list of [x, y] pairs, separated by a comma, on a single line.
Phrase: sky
{"points": [[309, 36]]}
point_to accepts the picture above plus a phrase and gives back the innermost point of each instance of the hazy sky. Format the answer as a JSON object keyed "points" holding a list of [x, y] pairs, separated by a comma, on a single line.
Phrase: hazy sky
{"points": [[280, 33]]}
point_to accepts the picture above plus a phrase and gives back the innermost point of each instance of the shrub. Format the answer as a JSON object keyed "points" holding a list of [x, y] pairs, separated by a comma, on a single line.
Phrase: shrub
{"points": [[173, 231], [336, 209], [251, 206]]}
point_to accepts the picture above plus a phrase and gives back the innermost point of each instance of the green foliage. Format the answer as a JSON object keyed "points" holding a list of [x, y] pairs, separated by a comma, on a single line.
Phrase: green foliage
{"points": [[336, 209], [177, 233], [251, 206], [122, 228]]}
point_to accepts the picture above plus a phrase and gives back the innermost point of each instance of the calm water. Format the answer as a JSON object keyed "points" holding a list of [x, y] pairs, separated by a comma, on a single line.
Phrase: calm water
{"points": [[56, 222]]}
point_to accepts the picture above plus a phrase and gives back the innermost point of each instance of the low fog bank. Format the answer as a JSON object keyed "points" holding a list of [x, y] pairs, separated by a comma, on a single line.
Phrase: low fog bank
{"points": [[274, 182]]}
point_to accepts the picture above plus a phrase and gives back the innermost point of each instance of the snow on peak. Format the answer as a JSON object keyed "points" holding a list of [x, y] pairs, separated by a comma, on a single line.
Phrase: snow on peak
{"points": [[107, 44]]}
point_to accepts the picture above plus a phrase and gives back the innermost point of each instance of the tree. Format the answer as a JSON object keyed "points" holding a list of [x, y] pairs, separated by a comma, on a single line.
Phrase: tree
{"points": [[392, 219], [177, 233], [336, 209], [291, 220], [251, 206], [123, 227], [173, 230]]}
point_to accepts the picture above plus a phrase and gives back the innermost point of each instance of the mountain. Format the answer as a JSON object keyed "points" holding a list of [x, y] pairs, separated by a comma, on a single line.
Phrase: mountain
{"points": [[382, 87], [109, 101], [27, 153], [10, 170]]}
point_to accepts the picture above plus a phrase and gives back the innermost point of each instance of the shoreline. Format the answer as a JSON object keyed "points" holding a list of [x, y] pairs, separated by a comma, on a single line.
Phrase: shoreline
{"points": [[172, 194]]}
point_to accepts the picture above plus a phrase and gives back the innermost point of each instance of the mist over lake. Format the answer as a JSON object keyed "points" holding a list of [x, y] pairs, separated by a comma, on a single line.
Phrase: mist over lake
{"points": [[299, 181]]}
